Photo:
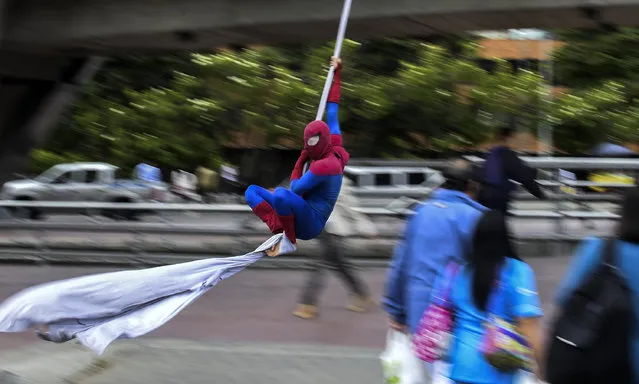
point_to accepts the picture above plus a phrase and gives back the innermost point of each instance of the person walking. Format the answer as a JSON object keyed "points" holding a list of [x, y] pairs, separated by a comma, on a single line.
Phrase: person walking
{"points": [[344, 222], [614, 350], [207, 181], [148, 172], [438, 233], [501, 166], [493, 282]]}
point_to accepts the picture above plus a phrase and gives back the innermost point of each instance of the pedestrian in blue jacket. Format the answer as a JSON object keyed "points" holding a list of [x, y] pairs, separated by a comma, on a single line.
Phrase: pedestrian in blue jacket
{"points": [[439, 232]]}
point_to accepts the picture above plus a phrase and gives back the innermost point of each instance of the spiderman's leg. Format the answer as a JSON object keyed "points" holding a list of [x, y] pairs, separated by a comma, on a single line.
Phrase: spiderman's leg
{"points": [[261, 202], [296, 215]]}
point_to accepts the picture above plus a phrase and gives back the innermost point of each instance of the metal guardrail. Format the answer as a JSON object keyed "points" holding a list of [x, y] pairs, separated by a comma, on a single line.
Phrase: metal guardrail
{"points": [[594, 163], [40, 250], [95, 206], [224, 208], [144, 243], [575, 163]]}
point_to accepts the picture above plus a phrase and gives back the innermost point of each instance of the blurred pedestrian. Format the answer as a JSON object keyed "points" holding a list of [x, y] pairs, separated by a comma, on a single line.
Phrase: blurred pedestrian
{"points": [[207, 181], [148, 172], [229, 179], [439, 232], [501, 166], [344, 222], [477, 301], [602, 285]]}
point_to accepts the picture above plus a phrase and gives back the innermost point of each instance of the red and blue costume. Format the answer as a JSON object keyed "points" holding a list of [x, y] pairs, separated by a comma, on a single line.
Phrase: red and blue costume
{"points": [[302, 211]]}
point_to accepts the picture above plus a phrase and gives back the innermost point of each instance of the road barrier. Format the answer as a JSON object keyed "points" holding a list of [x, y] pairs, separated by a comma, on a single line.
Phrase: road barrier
{"points": [[161, 242], [149, 243]]}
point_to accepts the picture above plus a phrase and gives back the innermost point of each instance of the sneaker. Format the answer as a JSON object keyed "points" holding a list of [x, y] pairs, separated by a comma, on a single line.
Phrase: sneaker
{"points": [[306, 312], [360, 304]]}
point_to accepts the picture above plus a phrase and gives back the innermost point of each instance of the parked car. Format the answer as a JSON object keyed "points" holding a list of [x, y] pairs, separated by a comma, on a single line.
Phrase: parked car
{"points": [[84, 182]]}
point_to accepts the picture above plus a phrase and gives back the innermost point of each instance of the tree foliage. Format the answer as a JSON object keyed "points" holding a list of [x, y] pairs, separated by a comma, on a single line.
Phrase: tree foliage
{"points": [[400, 98]]}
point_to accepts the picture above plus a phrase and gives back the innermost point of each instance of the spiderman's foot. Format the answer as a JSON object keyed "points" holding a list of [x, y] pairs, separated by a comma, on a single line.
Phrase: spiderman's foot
{"points": [[267, 214], [288, 225], [274, 250]]}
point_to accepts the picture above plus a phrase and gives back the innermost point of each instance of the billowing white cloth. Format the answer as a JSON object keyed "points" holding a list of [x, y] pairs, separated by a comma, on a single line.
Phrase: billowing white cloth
{"points": [[98, 309]]}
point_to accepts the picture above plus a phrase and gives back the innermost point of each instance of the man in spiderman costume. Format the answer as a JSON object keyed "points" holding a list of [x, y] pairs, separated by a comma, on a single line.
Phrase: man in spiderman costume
{"points": [[302, 211]]}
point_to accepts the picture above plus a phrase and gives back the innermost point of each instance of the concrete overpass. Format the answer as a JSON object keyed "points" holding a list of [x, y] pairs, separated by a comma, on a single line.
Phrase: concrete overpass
{"points": [[116, 25], [47, 47]]}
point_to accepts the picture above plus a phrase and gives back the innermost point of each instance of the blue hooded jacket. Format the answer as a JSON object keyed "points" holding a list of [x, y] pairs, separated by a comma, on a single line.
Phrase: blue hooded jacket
{"points": [[440, 231]]}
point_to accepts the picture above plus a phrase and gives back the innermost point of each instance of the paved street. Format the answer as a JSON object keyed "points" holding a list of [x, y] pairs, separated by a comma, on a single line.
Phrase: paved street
{"points": [[241, 332]]}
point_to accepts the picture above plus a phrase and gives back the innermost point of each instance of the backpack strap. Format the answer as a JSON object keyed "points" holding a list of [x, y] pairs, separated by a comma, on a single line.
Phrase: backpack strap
{"points": [[609, 253]]}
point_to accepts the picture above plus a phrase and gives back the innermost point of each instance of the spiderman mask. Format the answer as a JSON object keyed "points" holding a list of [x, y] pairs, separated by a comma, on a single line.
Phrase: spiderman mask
{"points": [[317, 140]]}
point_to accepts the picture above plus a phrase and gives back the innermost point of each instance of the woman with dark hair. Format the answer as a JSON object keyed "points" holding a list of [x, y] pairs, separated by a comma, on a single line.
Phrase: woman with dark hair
{"points": [[494, 282], [590, 254]]}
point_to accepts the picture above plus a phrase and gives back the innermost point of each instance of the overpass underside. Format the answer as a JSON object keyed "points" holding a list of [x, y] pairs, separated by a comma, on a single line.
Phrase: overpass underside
{"points": [[48, 47], [35, 89], [158, 25]]}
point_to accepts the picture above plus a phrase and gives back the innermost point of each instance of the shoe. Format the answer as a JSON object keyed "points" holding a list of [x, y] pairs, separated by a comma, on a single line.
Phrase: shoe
{"points": [[306, 312], [267, 214], [288, 225], [360, 304]]}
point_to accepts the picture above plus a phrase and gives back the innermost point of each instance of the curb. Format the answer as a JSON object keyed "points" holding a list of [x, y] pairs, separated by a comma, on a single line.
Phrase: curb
{"points": [[7, 377], [73, 364]]}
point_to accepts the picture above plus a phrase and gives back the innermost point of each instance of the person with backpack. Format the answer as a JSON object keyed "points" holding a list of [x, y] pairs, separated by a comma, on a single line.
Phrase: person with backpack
{"points": [[501, 166], [594, 338], [493, 296]]}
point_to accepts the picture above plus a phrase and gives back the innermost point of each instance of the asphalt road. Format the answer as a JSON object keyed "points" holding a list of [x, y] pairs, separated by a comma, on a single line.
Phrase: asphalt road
{"points": [[240, 332], [255, 305]]}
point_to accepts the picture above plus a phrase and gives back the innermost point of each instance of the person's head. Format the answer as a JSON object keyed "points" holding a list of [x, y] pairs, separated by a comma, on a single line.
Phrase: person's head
{"points": [[463, 176], [317, 140], [506, 135], [491, 246], [629, 224]]}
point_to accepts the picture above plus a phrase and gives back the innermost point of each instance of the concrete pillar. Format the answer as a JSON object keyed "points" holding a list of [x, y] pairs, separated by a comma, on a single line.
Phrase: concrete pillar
{"points": [[36, 105]]}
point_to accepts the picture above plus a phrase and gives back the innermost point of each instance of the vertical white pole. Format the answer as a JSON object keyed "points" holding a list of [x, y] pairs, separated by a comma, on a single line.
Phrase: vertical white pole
{"points": [[545, 129], [338, 49]]}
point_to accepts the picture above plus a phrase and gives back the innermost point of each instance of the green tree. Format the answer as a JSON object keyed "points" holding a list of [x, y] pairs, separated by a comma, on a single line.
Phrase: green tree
{"points": [[584, 118], [399, 98], [591, 57]]}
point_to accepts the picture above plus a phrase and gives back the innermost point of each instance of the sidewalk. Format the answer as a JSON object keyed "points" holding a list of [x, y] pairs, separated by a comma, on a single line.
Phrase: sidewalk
{"points": [[169, 361]]}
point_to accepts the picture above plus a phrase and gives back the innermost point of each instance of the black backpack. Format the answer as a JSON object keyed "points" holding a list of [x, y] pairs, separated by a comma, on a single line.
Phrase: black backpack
{"points": [[592, 336]]}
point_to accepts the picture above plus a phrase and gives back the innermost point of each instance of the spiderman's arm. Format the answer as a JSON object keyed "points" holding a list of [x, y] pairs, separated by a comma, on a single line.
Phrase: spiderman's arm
{"points": [[332, 107], [298, 170], [318, 173], [307, 182]]}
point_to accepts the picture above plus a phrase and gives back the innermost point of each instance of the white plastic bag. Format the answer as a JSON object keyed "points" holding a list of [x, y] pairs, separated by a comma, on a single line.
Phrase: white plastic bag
{"points": [[527, 378], [439, 373], [399, 363]]}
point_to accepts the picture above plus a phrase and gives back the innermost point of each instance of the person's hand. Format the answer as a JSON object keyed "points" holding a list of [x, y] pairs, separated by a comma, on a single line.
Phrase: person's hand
{"points": [[396, 326], [336, 62]]}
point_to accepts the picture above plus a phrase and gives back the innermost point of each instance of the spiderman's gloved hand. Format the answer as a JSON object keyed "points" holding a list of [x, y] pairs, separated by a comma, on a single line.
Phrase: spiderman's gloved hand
{"points": [[298, 170]]}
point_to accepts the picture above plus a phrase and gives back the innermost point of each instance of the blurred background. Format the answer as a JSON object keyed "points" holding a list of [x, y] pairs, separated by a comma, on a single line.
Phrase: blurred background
{"points": [[565, 92], [157, 114]]}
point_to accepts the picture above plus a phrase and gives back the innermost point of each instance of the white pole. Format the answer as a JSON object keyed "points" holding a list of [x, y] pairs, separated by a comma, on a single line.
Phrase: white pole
{"points": [[545, 128], [338, 49]]}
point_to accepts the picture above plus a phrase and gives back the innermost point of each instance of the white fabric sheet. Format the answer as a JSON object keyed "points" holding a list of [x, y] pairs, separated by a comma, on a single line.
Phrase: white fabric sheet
{"points": [[98, 309]]}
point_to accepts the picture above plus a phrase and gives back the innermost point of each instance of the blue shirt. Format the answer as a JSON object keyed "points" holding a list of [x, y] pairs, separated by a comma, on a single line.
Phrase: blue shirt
{"points": [[440, 232], [518, 298], [148, 173], [587, 258]]}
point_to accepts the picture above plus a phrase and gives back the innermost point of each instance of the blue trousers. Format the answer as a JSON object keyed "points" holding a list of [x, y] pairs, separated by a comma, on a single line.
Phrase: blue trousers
{"points": [[308, 223]]}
